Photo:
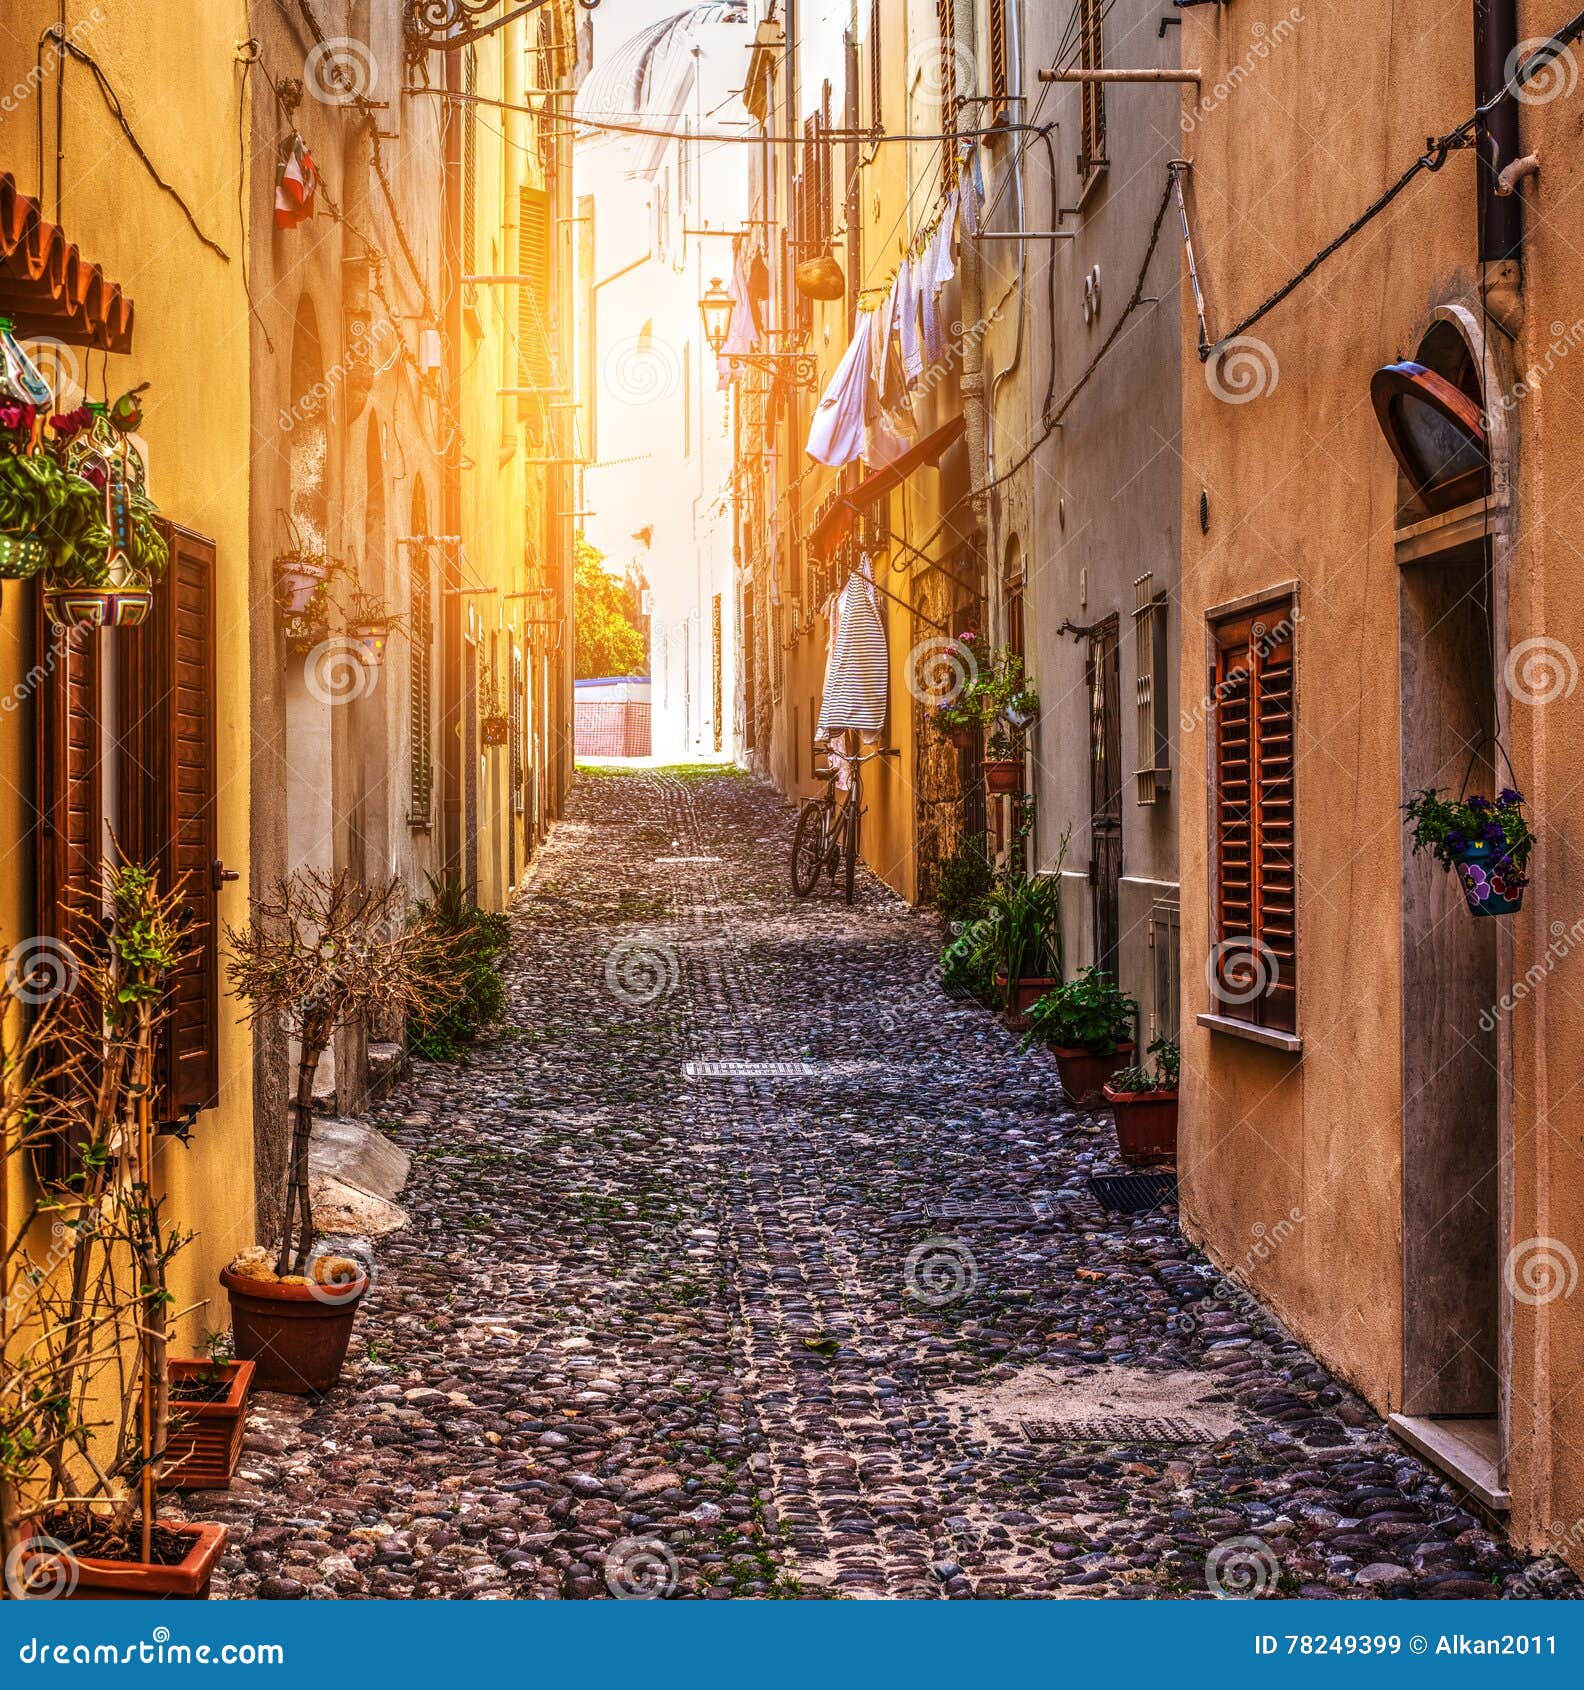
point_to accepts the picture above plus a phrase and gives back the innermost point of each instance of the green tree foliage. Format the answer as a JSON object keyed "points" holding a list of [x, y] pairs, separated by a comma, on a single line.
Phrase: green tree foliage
{"points": [[608, 641]]}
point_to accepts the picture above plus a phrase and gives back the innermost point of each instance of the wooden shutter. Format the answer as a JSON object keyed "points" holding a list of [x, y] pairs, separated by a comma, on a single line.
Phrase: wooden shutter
{"points": [[167, 676], [875, 77], [534, 296], [1091, 56], [1251, 685], [998, 61], [420, 689], [946, 26], [68, 811]]}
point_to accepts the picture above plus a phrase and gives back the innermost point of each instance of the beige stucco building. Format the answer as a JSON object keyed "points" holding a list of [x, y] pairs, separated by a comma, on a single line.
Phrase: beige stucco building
{"points": [[1389, 1070]]}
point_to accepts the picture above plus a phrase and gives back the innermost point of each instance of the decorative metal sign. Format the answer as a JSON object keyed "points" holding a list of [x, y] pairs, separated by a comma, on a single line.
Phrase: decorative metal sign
{"points": [[441, 25]]}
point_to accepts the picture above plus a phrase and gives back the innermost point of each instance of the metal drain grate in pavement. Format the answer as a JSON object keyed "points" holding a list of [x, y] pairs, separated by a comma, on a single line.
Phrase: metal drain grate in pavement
{"points": [[988, 1209], [734, 1070], [1126, 1429], [1127, 1194]]}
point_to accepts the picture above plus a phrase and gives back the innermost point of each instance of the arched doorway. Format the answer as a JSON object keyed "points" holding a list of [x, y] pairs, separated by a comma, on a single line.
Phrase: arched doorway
{"points": [[1450, 544]]}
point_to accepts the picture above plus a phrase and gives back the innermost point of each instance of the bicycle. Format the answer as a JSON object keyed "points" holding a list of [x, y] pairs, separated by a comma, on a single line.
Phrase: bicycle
{"points": [[827, 832]]}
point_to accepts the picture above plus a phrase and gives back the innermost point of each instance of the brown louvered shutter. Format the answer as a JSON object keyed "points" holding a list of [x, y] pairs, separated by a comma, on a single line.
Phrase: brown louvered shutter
{"points": [[68, 817], [534, 363], [1256, 955], [946, 26], [875, 77], [998, 62], [167, 675], [420, 689]]}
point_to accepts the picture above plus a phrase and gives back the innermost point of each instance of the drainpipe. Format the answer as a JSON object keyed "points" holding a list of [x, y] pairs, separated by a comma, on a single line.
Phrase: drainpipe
{"points": [[1500, 212]]}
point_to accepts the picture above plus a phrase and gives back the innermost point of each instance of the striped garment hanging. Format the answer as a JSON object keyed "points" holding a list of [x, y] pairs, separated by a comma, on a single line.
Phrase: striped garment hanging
{"points": [[857, 674]]}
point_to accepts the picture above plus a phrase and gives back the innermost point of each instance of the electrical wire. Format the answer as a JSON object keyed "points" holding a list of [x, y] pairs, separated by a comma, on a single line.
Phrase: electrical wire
{"points": [[68, 49]]}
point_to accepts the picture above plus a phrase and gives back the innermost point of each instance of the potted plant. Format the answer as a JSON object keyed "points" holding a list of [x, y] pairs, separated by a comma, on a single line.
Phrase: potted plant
{"points": [[104, 576], [94, 1413], [1022, 923], [319, 953], [371, 622], [1144, 1102], [1486, 841], [1086, 1023], [964, 880], [1003, 761], [955, 715], [209, 1400]]}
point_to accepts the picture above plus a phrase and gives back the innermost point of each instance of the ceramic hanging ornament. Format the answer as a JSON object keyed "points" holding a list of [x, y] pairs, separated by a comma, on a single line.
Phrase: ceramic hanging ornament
{"points": [[106, 457]]}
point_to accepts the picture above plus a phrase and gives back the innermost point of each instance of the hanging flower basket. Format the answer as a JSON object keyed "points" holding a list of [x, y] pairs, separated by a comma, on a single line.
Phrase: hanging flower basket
{"points": [[1001, 774], [1486, 842], [299, 579], [495, 730], [373, 638], [97, 607], [22, 556], [1491, 883]]}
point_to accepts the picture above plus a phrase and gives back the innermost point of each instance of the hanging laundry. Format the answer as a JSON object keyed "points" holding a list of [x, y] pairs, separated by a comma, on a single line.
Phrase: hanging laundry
{"points": [[857, 674], [296, 184], [936, 269], [909, 336], [742, 330], [836, 434]]}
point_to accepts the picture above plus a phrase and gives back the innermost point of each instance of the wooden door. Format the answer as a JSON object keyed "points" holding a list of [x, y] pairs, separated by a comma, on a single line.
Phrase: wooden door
{"points": [[1104, 680]]}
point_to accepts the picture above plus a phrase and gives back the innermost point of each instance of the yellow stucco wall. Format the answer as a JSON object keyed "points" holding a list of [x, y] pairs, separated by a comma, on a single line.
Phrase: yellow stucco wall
{"points": [[181, 90]]}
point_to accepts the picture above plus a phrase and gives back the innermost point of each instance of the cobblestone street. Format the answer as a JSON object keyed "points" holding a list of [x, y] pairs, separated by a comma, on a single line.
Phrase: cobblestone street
{"points": [[661, 1330]]}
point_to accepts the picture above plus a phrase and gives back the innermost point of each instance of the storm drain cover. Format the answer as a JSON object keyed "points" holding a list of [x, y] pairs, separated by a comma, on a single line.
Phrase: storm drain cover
{"points": [[1127, 1194], [1127, 1429], [987, 1209], [734, 1070]]}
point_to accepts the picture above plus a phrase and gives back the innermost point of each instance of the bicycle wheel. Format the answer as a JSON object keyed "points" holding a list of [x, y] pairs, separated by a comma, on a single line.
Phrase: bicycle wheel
{"points": [[854, 815], [808, 848]]}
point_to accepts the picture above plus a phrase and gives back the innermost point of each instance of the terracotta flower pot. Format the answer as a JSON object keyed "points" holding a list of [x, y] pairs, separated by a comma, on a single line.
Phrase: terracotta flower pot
{"points": [[54, 1571], [1085, 1072], [1146, 1124], [296, 1334], [962, 738], [1017, 1003], [205, 1441], [1001, 774]]}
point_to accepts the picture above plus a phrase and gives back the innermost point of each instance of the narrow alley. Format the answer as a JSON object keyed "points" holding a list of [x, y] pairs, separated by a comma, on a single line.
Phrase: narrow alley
{"points": [[825, 1330]]}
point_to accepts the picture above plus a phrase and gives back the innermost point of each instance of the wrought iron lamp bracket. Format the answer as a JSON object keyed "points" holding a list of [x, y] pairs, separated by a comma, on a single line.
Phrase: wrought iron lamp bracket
{"points": [[801, 367], [440, 26]]}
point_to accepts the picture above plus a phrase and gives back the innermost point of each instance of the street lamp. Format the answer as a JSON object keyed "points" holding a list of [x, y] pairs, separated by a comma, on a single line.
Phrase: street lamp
{"points": [[716, 310]]}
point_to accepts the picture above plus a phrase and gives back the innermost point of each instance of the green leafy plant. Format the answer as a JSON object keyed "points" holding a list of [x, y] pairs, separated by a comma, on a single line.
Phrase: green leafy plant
{"points": [[475, 940], [1022, 923], [964, 880], [607, 639], [1162, 1077], [1088, 1012], [40, 500], [998, 696], [1447, 827]]}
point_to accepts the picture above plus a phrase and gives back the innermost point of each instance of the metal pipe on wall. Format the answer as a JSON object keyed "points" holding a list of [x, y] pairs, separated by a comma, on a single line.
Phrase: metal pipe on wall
{"points": [[1500, 215]]}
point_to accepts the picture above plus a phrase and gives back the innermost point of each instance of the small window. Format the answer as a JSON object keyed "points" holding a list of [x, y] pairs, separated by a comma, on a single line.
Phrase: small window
{"points": [[1153, 776], [1254, 966], [1091, 56]]}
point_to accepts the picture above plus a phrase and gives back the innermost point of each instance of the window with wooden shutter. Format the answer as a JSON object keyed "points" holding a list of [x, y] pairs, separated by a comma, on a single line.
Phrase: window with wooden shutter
{"points": [[68, 811], [534, 344], [420, 689], [875, 77], [167, 811], [1091, 56], [1255, 961], [998, 59], [946, 28], [470, 163]]}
